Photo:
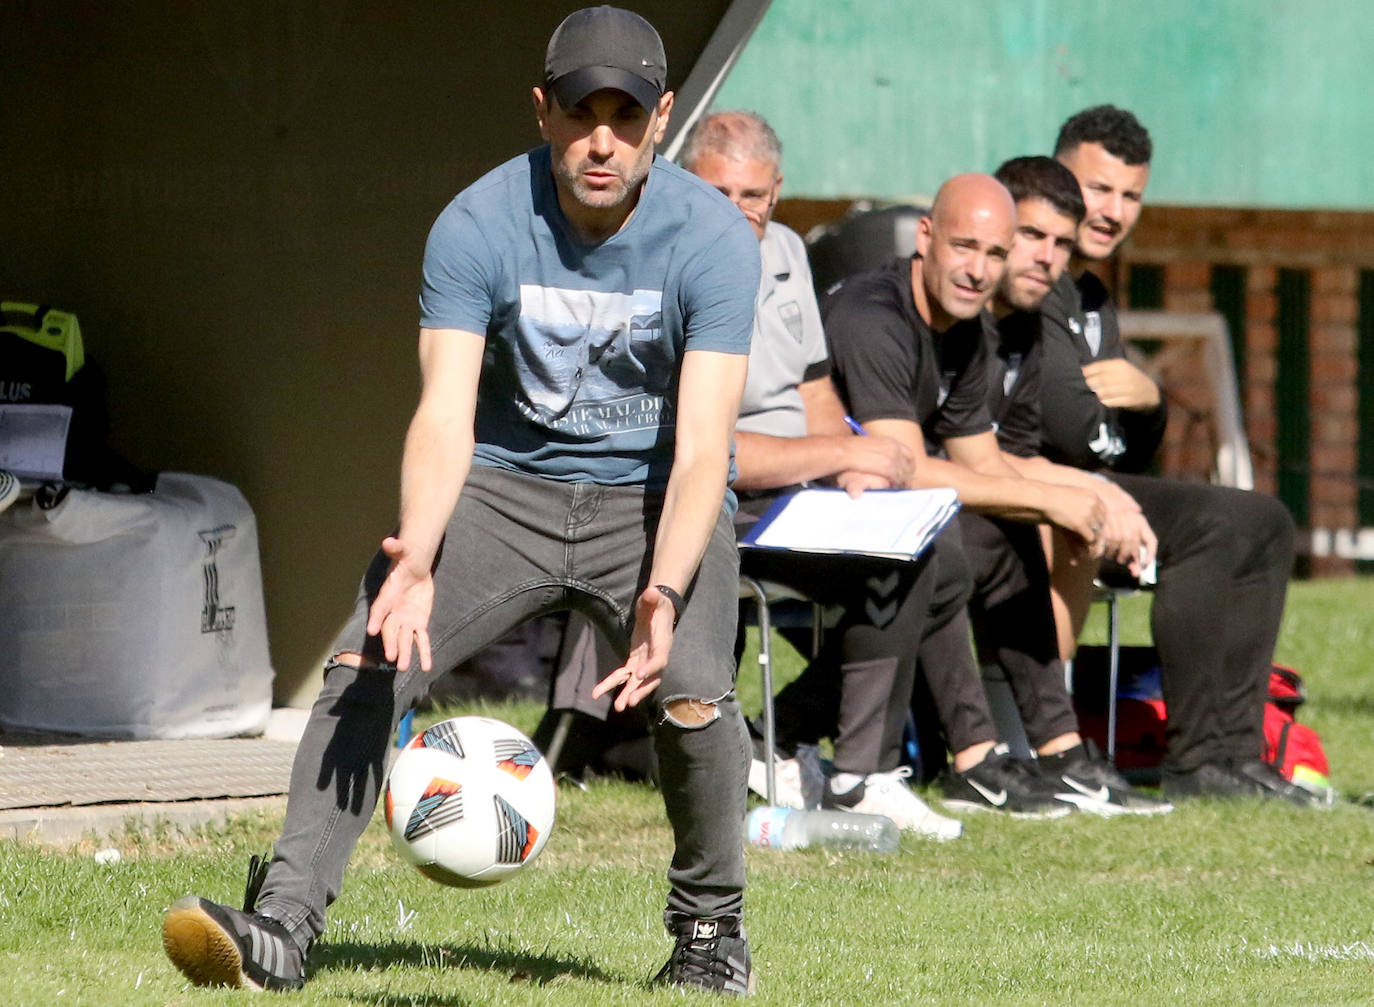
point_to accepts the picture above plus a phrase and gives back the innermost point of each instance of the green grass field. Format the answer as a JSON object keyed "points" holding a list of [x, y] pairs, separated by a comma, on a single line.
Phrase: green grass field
{"points": [[1242, 903]]}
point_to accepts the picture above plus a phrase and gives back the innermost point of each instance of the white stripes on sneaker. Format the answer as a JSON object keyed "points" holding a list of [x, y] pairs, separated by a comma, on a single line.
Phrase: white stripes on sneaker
{"points": [[269, 950]]}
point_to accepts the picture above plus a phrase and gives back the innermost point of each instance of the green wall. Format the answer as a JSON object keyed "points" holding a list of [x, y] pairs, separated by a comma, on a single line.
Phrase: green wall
{"points": [[1260, 103]]}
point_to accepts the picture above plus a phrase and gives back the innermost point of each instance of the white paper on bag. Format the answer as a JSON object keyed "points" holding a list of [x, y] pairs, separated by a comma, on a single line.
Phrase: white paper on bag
{"points": [[33, 439]]}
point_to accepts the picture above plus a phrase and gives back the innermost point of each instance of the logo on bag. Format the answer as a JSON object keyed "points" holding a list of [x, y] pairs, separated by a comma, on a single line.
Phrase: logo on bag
{"points": [[214, 617]]}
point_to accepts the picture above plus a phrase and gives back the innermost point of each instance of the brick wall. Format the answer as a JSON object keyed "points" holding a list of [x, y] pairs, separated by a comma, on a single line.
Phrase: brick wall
{"points": [[1329, 249]]}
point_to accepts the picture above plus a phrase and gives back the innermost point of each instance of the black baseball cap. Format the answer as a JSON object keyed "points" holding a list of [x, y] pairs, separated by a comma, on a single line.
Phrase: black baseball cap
{"points": [[599, 47]]}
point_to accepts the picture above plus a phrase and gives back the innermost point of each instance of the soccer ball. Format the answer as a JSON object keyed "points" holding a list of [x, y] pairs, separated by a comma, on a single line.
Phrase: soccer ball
{"points": [[469, 801]]}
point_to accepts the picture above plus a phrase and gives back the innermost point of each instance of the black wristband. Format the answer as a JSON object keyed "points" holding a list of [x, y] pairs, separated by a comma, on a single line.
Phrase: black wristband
{"points": [[679, 602]]}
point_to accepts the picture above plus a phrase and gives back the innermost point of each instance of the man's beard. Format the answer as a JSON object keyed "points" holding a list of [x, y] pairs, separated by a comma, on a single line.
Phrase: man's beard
{"points": [[1023, 300], [604, 198]]}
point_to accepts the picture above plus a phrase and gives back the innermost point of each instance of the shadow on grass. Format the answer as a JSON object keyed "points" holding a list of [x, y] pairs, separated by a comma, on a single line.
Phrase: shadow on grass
{"points": [[539, 969], [404, 1000]]}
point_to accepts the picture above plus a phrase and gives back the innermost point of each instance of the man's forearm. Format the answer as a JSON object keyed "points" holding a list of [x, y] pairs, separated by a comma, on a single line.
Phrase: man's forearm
{"points": [[998, 494], [1046, 471], [691, 507], [766, 462], [434, 466]]}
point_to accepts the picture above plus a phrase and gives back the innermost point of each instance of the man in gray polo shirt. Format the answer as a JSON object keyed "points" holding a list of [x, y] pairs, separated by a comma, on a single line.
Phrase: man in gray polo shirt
{"points": [[791, 431]]}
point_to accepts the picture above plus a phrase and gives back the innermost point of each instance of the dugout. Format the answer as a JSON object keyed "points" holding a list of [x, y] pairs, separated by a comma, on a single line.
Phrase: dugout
{"points": [[233, 195]]}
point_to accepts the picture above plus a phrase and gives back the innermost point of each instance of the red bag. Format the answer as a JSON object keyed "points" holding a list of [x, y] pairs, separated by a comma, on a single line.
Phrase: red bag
{"points": [[1293, 749]]}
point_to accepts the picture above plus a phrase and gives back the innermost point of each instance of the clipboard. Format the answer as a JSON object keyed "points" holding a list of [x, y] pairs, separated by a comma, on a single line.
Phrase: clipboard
{"points": [[888, 524]]}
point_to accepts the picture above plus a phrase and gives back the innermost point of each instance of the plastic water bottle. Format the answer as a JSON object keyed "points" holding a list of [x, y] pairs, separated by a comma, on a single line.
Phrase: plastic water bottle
{"points": [[789, 829]]}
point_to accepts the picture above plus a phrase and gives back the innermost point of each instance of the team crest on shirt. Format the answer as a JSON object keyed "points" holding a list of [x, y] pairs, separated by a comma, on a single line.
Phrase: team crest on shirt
{"points": [[946, 382], [1092, 331], [1013, 372], [791, 315]]}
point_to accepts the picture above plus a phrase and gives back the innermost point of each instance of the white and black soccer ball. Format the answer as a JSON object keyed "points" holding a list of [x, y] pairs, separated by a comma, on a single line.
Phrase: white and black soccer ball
{"points": [[470, 801]]}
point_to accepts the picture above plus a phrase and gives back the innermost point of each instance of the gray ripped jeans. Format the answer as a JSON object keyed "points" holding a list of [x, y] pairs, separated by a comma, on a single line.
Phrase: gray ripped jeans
{"points": [[518, 546]]}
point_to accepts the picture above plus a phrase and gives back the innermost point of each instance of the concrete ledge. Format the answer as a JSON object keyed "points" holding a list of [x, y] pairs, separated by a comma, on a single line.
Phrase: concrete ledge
{"points": [[67, 826]]}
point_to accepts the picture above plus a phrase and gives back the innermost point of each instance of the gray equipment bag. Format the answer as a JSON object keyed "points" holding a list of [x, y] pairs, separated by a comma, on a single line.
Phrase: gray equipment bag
{"points": [[134, 616]]}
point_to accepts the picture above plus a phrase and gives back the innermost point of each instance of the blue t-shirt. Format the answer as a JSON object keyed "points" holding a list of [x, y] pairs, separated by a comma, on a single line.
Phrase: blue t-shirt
{"points": [[585, 342]]}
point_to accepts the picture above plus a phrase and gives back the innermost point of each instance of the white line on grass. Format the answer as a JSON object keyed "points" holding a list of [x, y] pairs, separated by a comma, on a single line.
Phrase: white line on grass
{"points": [[1354, 951]]}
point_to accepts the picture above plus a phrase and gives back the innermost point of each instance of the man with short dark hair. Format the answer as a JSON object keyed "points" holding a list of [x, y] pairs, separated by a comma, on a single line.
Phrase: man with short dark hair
{"points": [[585, 318], [1049, 208], [1224, 555]]}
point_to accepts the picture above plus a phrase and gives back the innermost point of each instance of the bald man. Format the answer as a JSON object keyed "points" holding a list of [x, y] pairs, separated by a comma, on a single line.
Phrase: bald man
{"points": [[910, 361]]}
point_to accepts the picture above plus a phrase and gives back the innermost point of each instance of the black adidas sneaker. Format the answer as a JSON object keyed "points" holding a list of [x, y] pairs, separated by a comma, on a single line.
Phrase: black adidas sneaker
{"points": [[709, 955], [214, 945]]}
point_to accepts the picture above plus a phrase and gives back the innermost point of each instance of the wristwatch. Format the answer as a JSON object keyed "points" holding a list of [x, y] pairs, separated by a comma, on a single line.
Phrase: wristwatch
{"points": [[679, 602]]}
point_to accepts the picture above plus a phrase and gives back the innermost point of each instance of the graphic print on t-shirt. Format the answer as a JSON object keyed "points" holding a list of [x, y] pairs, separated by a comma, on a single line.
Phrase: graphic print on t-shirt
{"points": [[947, 379], [590, 362]]}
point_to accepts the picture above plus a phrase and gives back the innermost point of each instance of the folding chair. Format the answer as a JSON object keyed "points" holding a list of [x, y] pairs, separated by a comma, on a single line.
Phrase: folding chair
{"points": [[764, 594], [1110, 586]]}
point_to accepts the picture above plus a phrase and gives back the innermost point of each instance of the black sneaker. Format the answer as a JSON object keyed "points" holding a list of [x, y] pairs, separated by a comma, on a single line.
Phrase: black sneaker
{"points": [[1208, 780], [1001, 783], [215, 945], [709, 955], [1083, 778], [1267, 783]]}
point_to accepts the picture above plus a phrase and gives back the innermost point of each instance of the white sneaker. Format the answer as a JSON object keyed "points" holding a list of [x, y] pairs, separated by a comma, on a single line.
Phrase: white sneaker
{"points": [[887, 794], [787, 782]]}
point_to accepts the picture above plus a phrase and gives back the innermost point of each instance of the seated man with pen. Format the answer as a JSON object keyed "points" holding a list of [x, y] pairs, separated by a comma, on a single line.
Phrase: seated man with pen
{"points": [[792, 431]]}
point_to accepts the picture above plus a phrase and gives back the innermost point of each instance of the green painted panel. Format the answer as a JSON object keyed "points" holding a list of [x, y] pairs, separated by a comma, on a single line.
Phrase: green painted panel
{"points": [[1251, 102]]}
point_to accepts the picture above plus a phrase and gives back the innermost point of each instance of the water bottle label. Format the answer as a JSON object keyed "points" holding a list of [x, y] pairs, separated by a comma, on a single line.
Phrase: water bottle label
{"points": [[764, 826]]}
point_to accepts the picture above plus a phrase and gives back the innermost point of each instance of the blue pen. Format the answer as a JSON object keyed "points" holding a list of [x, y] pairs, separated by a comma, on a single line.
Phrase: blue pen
{"points": [[853, 424]]}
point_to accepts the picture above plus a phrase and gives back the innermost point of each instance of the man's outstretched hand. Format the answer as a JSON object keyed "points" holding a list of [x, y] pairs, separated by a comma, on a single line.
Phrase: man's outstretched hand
{"points": [[402, 608], [650, 643]]}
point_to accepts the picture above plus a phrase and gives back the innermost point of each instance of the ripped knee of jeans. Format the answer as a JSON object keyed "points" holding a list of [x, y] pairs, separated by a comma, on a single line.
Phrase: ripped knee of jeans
{"points": [[690, 713], [349, 659]]}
